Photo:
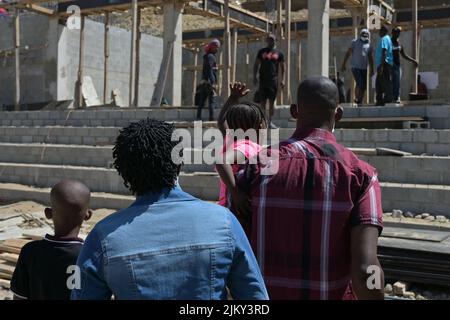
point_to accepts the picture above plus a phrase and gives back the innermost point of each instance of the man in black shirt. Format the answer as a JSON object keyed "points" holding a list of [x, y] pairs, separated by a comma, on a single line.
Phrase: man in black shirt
{"points": [[208, 86], [397, 70], [268, 61], [46, 269]]}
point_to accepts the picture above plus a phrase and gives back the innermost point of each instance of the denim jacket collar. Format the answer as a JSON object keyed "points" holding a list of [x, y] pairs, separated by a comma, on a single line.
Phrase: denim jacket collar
{"points": [[166, 195]]}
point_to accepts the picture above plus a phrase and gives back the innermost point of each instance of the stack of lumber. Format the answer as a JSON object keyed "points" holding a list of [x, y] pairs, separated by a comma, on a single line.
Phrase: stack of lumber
{"points": [[9, 254]]}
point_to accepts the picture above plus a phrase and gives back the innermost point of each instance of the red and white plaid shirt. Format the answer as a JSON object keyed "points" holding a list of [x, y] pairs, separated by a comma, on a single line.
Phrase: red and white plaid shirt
{"points": [[302, 215]]}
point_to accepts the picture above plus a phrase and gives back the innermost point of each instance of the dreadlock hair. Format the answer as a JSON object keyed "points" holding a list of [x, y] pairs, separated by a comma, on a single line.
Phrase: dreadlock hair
{"points": [[142, 156], [245, 116]]}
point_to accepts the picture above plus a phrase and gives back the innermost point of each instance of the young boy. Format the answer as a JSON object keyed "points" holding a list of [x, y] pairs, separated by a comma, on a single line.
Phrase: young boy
{"points": [[44, 266]]}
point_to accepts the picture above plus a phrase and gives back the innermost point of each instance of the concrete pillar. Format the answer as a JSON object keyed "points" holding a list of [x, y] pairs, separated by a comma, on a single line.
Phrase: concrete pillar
{"points": [[173, 33], [318, 37]]}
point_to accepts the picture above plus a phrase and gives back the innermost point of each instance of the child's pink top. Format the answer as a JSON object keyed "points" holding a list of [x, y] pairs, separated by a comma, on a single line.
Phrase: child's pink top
{"points": [[249, 149]]}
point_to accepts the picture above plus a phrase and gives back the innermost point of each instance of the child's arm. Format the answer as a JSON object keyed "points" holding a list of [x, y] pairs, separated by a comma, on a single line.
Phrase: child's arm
{"points": [[238, 90], [225, 171]]}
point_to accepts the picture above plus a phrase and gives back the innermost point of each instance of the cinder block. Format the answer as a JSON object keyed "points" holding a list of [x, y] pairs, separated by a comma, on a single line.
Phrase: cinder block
{"points": [[438, 149], [428, 136], [413, 147], [377, 135], [353, 135], [444, 136], [400, 135], [438, 111]]}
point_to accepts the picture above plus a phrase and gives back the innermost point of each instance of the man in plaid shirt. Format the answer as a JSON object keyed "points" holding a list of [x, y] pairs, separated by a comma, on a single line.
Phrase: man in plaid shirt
{"points": [[316, 219]]}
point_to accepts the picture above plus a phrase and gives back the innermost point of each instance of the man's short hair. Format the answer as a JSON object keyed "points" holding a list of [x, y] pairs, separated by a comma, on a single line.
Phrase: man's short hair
{"points": [[319, 93]]}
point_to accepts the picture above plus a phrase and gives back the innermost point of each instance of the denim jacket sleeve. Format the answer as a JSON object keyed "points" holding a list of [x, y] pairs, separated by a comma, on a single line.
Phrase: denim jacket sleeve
{"points": [[90, 263], [245, 280]]}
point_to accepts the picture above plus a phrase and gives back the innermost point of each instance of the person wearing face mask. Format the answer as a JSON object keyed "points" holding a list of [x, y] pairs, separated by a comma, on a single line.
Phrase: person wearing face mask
{"points": [[362, 56]]}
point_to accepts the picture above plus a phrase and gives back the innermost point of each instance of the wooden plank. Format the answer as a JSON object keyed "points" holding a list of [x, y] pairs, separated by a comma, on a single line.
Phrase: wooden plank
{"points": [[17, 58], [227, 53], [9, 249], [415, 43], [195, 75], [5, 276], [5, 283], [392, 152], [6, 268], [287, 89], [17, 243], [32, 236], [138, 58], [79, 86], [106, 59], [9, 257], [162, 77], [133, 53]]}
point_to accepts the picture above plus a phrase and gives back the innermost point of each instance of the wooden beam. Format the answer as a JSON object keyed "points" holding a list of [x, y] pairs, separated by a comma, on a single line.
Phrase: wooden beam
{"points": [[247, 62], [132, 82], [415, 43], [162, 77], [234, 60], [279, 36], [17, 58], [138, 57], [106, 60], [299, 59], [287, 89], [227, 52], [195, 75], [79, 85]]}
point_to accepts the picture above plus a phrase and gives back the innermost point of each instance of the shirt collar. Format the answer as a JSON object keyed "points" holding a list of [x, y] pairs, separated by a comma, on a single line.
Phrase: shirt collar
{"points": [[63, 239], [166, 195], [313, 133]]}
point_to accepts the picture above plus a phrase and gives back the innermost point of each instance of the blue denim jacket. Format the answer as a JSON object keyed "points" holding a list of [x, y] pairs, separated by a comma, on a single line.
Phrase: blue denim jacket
{"points": [[169, 246]]}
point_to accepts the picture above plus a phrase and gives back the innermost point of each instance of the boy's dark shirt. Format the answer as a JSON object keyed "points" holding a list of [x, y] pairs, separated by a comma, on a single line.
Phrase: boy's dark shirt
{"points": [[41, 271]]}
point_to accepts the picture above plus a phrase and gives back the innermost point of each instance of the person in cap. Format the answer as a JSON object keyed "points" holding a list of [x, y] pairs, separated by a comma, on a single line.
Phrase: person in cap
{"points": [[268, 62], [208, 86], [362, 56], [397, 70]]}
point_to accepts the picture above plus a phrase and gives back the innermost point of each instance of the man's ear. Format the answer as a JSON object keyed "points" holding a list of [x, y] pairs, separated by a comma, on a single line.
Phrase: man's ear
{"points": [[48, 213], [88, 215], [339, 114], [294, 111]]}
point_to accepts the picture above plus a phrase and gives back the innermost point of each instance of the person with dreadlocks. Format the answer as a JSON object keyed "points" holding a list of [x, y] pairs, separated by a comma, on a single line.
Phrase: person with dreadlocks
{"points": [[208, 85], [238, 148], [167, 244]]}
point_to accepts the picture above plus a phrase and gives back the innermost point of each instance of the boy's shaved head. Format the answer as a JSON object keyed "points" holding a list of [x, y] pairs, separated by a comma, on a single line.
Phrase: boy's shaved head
{"points": [[70, 205]]}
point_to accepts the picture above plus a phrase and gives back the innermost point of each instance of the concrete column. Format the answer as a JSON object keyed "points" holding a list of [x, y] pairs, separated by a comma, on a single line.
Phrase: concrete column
{"points": [[318, 37], [173, 33]]}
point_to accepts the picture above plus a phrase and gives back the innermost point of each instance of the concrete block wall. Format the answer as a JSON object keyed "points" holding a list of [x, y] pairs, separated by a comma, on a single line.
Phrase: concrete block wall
{"points": [[38, 68], [49, 69], [119, 61]]}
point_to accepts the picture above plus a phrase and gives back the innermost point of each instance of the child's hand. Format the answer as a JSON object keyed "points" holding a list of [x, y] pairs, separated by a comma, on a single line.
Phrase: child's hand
{"points": [[238, 90]]}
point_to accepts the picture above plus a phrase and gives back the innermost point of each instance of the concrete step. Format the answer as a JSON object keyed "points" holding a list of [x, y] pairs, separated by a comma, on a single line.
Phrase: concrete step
{"points": [[204, 185], [416, 141], [97, 118], [410, 169], [437, 114], [413, 197], [12, 192]]}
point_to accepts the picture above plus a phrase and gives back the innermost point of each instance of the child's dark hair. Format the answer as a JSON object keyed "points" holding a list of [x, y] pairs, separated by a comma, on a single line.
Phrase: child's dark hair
{"points": [[245, 116], [142, 156]]}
